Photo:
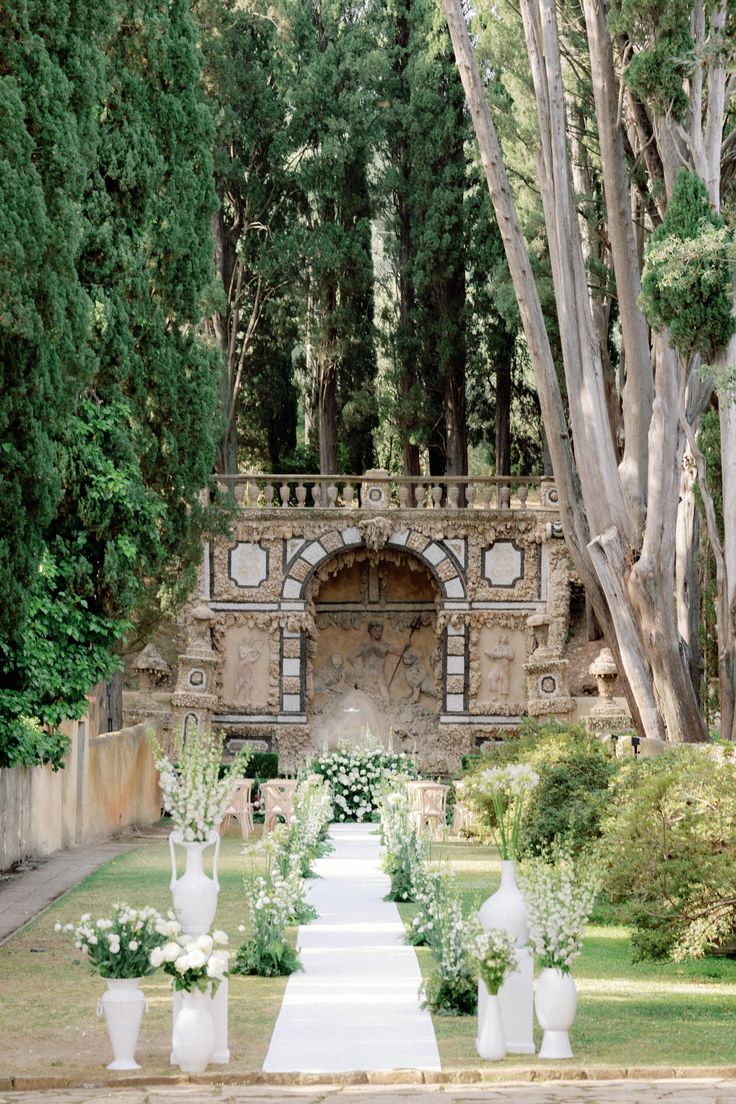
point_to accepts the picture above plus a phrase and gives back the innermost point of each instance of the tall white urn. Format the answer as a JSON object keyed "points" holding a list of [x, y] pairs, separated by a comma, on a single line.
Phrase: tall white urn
{"points": [[122, 1005], [193, 1038], [506, 909], [194, 893], [556, 1003]]}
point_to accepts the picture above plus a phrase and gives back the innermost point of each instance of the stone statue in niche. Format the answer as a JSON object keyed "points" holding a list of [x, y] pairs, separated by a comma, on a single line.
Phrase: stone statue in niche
{"points": [[330, 677], [249, 652], [499, 670], [418, 678], [372, 658]]}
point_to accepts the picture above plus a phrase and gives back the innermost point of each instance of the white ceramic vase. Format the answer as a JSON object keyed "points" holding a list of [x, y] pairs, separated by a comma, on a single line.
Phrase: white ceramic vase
{"points": [[122, 1005], [194, 893], [194, 1032], [555, 1002], [491, 1040], [506, 908]]}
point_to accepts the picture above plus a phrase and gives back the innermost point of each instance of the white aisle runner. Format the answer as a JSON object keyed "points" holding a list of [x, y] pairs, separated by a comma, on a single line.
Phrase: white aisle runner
{"points": [[355, 1006]]}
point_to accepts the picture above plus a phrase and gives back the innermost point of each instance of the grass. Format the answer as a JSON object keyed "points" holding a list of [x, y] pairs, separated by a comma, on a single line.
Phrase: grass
{"points": [[50, 996], [629, 1014]]}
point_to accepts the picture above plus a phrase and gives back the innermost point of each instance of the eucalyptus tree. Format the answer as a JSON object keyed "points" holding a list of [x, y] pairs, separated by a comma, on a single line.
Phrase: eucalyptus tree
{"points": [[660, 76]]}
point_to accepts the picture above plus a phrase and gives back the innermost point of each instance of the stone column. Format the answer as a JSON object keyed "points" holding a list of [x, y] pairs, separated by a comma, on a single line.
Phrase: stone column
{"points": [[194, 699]]}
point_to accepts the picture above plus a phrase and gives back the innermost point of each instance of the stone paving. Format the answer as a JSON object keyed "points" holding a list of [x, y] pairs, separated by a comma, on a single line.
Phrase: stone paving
{"points": [[696, 1091]]}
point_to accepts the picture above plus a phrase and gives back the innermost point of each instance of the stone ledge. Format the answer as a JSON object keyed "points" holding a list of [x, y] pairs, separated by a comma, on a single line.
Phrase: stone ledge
{"points": [[509, 1075]]}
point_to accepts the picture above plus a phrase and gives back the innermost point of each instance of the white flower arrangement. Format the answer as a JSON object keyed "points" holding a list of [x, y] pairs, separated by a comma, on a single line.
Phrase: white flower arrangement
{"points": [[355, 774], [120, 946], [506, 790], [200, 963], [193, 791], [493, 956], [559, 896]]}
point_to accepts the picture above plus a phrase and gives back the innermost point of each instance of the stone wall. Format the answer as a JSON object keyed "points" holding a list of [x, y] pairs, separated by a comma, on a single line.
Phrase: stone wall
{"points": [[109, 783]]}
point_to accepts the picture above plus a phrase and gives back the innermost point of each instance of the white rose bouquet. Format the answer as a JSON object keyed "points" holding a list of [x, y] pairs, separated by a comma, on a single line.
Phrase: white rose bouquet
{"points": [[194, 789], [119, 946], [559, 897], [502, 792], [196, 963]]}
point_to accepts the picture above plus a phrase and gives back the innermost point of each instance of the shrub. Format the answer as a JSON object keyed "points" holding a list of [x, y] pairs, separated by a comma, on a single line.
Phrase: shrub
{"points": [[575, 771], [25, 743], [668, 845]]}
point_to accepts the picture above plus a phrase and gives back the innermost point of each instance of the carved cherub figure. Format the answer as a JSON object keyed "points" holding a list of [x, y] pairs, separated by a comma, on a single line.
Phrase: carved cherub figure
{"points": [[419, 679], [499, 671]]}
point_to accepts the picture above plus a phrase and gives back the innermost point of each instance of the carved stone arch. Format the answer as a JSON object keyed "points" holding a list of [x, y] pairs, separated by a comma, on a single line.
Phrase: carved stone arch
{"points": [[375, 534]]}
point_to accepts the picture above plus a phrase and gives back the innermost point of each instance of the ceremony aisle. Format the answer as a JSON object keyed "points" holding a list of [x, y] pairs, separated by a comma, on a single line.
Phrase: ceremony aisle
{"points": [[355, 1006]]}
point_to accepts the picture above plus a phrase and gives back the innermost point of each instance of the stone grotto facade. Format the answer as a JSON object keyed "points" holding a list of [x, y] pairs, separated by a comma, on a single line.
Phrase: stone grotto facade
{"points": [[433, 614]]}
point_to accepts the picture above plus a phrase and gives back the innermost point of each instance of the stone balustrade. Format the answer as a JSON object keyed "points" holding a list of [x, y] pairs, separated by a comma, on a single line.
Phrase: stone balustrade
{"points": [[380, 491]]}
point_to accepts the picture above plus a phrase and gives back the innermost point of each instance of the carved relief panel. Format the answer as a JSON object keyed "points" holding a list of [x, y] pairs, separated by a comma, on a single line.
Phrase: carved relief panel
{"points": [[246, 664]]}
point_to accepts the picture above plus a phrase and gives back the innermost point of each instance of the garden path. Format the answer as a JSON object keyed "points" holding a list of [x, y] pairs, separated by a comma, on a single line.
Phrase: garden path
{"points": [[355, 1006]]}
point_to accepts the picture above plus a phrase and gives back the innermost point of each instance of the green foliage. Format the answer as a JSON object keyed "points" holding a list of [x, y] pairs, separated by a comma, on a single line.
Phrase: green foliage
{"points": [[276, 959], [573, 794], [108, 396], [687, 280], [264, 765], [669, 843], [662, 54], [26, 744]]}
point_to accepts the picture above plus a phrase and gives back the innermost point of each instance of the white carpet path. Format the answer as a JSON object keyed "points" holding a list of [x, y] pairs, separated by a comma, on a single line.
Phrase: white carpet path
{"points": [[356, 1005]]}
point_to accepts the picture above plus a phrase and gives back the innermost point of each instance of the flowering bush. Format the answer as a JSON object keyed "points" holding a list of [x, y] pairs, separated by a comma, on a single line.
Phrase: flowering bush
{"points": [[404, 851], [500, 794], [452, 990], [431, 892], [194, 963], [271, 898], [355, 775], [120, 946], [493, 956], [192, 791], [312, 813], [559, 897]]}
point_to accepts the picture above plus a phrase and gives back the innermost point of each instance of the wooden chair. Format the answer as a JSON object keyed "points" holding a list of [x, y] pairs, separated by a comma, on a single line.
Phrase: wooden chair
{"points": [[463, 819], [277, 797], [240, 807], [431, 810]]}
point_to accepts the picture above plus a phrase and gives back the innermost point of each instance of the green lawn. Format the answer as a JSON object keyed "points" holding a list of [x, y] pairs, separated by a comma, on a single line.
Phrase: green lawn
{"points": [[629, 1014]]}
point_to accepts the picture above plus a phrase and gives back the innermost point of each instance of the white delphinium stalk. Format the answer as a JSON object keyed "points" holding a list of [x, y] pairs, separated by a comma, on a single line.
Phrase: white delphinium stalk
{"points": [[559, 896], [192, 791]]}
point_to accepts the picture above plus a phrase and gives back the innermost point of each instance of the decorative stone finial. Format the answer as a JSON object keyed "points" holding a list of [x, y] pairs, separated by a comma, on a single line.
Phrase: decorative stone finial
{"points": [[151, 668], [539, 623], [603, 669], [201, 621]]}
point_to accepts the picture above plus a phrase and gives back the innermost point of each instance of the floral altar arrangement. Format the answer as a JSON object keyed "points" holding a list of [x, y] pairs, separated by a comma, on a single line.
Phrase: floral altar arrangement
{"points": [[194, 790], [500, 794], [355, 775]]}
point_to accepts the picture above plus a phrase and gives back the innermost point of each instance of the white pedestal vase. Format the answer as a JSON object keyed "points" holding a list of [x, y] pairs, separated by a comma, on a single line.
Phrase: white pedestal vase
{"points": [[556, 1003], [195, 901], [505, 909], [194, 893], [491, 1040], [194, 1032], [122, 1005]]}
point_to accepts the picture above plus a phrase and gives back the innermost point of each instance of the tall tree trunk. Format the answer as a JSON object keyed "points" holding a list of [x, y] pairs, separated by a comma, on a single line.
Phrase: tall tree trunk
{"points": [[503, 414]]}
